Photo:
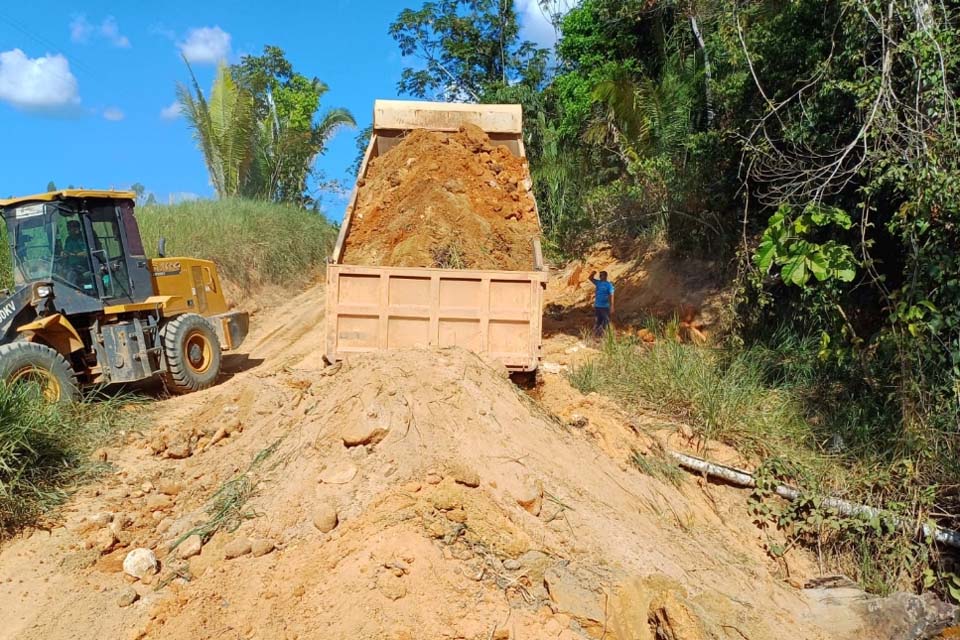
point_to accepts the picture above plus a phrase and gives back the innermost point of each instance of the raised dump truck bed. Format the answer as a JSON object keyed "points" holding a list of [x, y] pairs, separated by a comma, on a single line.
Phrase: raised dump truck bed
{"points": [[492, 312]]}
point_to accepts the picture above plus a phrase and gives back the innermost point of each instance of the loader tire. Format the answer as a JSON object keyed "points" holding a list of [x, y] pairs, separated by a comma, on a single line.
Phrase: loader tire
{"points": [[30, 362], [192, 352]]}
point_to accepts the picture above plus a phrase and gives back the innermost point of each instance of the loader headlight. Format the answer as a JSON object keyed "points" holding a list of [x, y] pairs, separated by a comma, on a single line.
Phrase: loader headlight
{"points": [[44, 291]]}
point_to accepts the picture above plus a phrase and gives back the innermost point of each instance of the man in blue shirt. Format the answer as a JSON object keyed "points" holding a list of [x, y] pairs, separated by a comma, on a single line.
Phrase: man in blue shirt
{"points": [[603, 302]]}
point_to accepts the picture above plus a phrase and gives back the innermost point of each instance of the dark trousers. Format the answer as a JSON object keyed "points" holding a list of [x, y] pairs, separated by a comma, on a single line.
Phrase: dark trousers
{"points": [[603, 321]]}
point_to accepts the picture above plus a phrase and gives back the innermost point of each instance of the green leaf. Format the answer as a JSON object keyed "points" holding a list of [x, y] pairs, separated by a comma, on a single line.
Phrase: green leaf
{"points": [[795, 271], [845, 274], [765, 254], [817, 264], [954, 591]]}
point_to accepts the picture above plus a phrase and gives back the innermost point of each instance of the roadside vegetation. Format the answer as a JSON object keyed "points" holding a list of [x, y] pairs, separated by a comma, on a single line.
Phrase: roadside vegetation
{"points": [[767, 404], [46, 449], [254, 243]]}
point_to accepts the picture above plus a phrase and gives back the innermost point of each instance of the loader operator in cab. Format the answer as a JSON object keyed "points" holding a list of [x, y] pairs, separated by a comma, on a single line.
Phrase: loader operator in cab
{"points": [[74, 257], [603, 302]]}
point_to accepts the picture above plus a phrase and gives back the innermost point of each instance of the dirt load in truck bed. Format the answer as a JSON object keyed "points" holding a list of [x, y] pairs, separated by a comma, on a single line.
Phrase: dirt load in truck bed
{"points": [[448, 200]]}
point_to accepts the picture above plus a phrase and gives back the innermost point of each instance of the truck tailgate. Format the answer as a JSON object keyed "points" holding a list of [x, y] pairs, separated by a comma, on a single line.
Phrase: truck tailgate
{"points": [[496, 313]]}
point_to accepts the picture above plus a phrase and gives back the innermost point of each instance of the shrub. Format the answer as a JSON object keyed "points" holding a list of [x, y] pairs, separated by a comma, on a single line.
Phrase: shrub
{"points": [[44, 449]]}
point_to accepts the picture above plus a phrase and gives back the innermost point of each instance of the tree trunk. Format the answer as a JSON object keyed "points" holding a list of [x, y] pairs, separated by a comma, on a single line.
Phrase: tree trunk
{"points": [[707, 70]]}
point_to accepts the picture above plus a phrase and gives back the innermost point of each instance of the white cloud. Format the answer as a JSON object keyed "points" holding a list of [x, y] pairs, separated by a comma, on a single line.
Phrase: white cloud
{"points": [[81, 29], [113, 114], [206, 45], [535, 19], [37, 84], [171, 112], [110, 31]]}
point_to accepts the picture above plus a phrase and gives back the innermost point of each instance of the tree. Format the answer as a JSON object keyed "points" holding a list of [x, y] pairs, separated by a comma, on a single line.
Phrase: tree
{"points": [[51, 186], [262, 129], [291, 129], [224, 129], [467, 48], [140, 190]]}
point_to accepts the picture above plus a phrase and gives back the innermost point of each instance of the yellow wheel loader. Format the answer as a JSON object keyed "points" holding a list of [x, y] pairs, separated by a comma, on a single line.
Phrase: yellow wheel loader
{"points": [[88, 307]]}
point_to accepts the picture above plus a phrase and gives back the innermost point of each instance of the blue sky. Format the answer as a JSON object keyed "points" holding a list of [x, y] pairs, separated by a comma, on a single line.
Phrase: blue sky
{"points": [[87, 88]]}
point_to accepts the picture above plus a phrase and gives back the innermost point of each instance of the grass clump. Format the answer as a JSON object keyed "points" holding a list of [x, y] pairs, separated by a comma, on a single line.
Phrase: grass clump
{"points": [[253, 243], [722, 395], [658, 464], [227, 508], [45, 449]]}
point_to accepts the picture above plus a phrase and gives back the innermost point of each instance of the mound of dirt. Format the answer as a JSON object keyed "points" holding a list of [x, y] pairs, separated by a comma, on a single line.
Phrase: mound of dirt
{"points": [[444, 200], [404, 495]]}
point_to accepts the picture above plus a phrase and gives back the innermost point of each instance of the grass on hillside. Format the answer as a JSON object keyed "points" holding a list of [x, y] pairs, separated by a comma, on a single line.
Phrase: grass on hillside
{"points": [[253, 243], [45, 450], [759, 401], [723, 396]]}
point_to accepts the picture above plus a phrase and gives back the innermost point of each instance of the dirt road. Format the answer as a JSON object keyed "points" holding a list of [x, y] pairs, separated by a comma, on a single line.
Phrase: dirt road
{"points": [[404, 496]]}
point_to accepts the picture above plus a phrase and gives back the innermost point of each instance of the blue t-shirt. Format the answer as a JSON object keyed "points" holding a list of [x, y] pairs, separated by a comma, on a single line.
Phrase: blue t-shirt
{"points": [[604, 291]]}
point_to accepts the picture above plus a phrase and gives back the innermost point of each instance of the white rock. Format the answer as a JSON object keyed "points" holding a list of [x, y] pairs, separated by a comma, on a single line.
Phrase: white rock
{"points": [[554, 368], [140, 563]]}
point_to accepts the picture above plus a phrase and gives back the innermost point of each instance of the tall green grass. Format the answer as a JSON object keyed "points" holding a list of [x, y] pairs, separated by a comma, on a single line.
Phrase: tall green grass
{"points": [[45, 449], [253, 243], [723, 396]]}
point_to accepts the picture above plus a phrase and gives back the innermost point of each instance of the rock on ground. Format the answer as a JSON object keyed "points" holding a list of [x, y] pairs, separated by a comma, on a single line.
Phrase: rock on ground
{"points": [[127, 596], [190, 547], [238, 547], [140, 563], [373, 428], [325, 517], [261, 547], [572, 597]]}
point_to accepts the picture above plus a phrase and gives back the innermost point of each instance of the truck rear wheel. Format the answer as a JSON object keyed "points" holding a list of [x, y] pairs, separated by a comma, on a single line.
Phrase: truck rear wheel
{"points": [[32, 363], [192, 352]]}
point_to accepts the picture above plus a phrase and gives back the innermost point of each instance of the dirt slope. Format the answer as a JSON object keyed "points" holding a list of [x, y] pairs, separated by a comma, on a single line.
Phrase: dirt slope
{"points": [[464, 510], [445, 200]]}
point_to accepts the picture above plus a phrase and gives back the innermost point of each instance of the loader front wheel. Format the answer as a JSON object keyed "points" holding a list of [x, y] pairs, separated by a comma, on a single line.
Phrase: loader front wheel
{"points": [[192, 352], [38, 364]]}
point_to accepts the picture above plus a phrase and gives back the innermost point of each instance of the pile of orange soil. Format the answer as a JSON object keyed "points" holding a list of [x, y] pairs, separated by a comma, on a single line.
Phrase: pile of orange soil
{"points": [[445, 200], [405, 495]]}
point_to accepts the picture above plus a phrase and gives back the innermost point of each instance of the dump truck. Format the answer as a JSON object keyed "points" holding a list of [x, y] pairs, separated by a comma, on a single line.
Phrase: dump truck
{"points": [[379, 307], [88, 307]]}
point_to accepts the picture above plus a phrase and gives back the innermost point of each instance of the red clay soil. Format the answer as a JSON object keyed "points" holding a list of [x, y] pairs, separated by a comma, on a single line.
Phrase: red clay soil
{"points": [[444, 200]]}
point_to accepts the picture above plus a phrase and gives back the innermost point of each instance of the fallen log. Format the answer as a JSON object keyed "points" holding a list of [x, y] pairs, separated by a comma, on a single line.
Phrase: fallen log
{"points": [[742, 478]]}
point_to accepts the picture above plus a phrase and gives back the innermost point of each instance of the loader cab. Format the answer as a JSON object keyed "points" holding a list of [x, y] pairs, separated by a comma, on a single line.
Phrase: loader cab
{"points": [[88, 248]]}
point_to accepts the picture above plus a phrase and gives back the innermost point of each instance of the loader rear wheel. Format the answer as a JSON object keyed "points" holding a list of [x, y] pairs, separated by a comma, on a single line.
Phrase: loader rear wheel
{"points": [[192, 352], [32, 363]]}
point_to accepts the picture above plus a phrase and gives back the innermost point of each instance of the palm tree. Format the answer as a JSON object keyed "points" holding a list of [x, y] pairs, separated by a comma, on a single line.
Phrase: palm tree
{"points": [[224, 129], [647, 116], [288, 144]]}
